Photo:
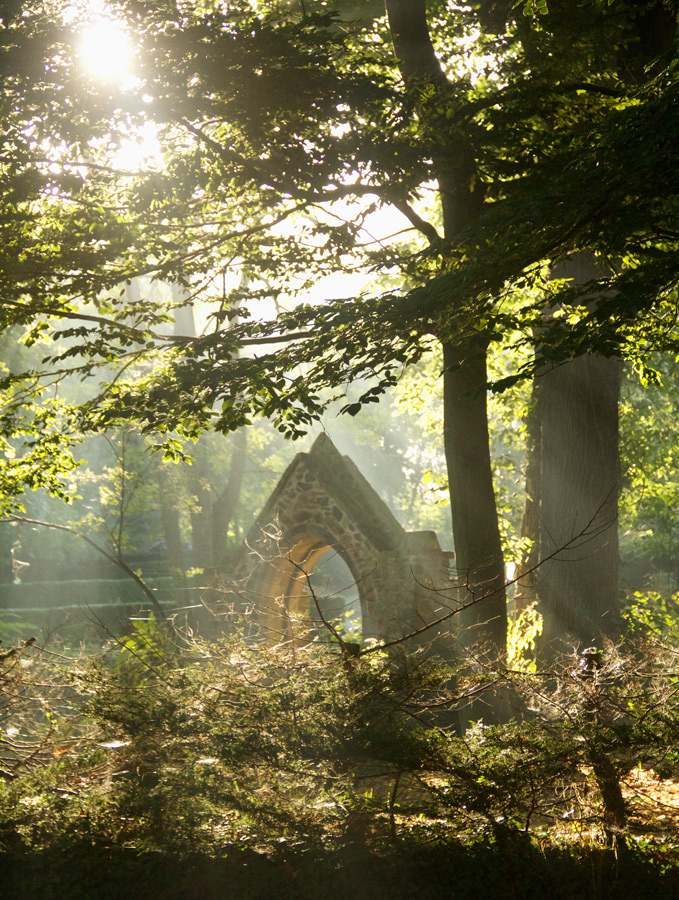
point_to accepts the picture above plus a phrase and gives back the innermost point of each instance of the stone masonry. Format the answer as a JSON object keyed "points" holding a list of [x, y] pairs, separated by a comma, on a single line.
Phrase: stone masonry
{"points": [[323, 502]]}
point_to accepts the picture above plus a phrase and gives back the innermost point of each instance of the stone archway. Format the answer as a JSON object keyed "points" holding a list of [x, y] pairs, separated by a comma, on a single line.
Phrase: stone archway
{"points": [[283, 581], [321, 503]]}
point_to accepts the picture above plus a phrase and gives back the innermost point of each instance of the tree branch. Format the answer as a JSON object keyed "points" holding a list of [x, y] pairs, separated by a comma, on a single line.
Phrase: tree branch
{"points": [[112, 558]]}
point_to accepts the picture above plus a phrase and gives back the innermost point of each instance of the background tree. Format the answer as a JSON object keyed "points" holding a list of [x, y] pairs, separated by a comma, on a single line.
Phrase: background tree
{"points": [[576, 446]]}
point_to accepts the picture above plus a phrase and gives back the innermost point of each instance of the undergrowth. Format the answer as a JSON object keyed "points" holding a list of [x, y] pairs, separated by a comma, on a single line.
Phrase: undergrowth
{"points": [[178, 746]]}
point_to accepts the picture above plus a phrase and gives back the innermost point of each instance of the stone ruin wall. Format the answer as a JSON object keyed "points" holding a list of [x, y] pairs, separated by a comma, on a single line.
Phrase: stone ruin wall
{"points": [[322, 501]]}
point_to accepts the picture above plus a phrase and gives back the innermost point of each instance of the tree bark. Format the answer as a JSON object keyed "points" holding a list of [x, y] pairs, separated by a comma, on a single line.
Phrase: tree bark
{"points": [[579, 432], [478, 552], [411, 38], [526, 574], [173, 537], [578, 586], [202, 555], [211, 518], [224, 508], [201, 514]]}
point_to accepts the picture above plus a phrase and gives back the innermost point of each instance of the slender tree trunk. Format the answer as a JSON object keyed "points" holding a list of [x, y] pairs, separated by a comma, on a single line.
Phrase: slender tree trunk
{"points": [[202, 555], [172, 531], [201, 514], [224, 508], [478, 552], [526, 574], [211, 518]]}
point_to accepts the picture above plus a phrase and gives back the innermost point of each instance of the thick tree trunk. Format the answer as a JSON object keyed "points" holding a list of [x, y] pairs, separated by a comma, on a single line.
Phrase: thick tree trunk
{"points": [[412, 41], [578, 581], [578, 412], [578, 587]]}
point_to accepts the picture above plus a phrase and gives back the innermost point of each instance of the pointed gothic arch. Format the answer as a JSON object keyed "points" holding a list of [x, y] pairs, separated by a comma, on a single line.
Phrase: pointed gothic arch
{"points": [[322, 502]]}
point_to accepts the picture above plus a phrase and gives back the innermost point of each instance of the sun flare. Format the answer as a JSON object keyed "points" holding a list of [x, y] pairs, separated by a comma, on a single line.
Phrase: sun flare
{"points": [[106, 49]]}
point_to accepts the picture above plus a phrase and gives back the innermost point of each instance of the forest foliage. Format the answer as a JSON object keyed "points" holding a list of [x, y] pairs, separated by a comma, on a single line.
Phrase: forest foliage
{"points": [[171, 745], [169, 236], [250, 172]]}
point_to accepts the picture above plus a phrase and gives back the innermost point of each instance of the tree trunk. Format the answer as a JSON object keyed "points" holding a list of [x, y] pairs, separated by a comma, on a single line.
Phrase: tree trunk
{"points": [[578, 585], [173, 537], [578, 412], [202, 555], [526, 574], [224, 508], [467, 448], [412, 41], [211, 518], [478, 551], [201, 514]]}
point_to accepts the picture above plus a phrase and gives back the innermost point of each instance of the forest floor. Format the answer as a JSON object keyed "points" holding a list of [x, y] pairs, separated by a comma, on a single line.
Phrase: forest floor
{"points": [[653, 804]]}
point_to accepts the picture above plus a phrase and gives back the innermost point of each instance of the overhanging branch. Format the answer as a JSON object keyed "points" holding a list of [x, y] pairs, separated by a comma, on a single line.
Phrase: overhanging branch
{"points": [[112, 558]]}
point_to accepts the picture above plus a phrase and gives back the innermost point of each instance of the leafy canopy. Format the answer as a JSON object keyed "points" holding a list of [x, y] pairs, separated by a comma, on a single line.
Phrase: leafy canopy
{"points": [[240, 159]]}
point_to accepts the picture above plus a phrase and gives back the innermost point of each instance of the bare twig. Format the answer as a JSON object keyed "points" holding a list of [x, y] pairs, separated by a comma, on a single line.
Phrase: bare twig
{"points": [[111, 557]]}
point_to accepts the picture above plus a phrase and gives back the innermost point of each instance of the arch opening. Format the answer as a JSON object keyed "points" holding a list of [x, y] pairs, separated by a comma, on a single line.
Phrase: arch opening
{"points": [[310, 581], [334, 597]]}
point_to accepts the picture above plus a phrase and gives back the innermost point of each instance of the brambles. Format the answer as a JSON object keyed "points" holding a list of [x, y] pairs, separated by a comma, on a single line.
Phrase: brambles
{"points": [[210, 746]]}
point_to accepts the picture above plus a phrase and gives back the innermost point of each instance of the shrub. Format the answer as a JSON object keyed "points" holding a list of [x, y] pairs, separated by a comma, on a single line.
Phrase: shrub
{"points": [[183, 746]]}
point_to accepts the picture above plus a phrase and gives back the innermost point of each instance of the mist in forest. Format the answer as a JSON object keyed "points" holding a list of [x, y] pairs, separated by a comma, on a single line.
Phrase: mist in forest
{"points": [[162, 520]]}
